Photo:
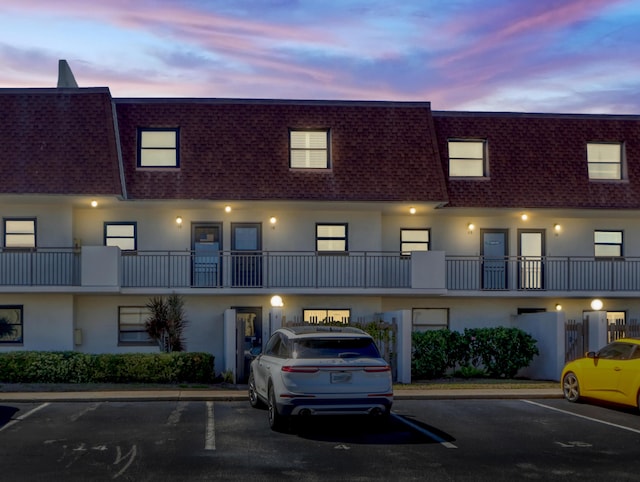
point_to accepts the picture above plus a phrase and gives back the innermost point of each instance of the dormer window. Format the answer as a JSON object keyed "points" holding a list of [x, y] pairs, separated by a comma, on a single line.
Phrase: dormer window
{"points": [[158, 148], [605, 160], [309, 149], [467, 158]]}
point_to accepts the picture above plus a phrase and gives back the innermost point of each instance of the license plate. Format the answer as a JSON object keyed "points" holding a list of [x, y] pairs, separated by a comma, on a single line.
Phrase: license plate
{"points": [[340, 377]]}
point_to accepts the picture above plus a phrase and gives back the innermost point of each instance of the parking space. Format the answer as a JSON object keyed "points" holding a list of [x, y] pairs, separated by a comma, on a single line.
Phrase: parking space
{"points": [[200, 440]]}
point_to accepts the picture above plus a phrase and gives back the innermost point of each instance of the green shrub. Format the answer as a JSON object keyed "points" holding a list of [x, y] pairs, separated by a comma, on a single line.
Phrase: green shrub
{"points": [[495, 352], [434, 352], [74, 367], [500, 351]]}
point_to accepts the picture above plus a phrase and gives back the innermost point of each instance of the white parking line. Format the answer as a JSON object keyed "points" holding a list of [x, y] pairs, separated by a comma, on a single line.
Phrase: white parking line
{"points": [[425, 432], [210, 438], [22, 417], [582, 416]]}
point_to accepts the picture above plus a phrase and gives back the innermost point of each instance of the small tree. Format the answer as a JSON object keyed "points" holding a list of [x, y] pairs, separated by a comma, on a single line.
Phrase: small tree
{"points": [[167, 322]]}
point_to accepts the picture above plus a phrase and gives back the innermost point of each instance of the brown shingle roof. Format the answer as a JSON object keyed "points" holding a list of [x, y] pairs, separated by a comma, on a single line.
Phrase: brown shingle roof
{"points": [[239, 149], [58, 141], [540, 160]]}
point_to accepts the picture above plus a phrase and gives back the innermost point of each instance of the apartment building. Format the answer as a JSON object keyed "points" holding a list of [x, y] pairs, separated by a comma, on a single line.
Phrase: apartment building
{"points": [[258, 211]]}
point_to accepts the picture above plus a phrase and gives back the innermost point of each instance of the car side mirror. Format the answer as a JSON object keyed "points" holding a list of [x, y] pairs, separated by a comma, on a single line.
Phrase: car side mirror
{"points": [[591, 354]]}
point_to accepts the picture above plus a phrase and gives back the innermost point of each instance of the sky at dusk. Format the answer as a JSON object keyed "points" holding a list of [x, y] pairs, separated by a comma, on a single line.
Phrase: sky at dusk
{"points": [[579, 56]]}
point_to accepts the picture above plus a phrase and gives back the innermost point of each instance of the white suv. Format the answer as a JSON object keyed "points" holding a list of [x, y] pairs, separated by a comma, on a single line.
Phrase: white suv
{"points": [[320, 370]]}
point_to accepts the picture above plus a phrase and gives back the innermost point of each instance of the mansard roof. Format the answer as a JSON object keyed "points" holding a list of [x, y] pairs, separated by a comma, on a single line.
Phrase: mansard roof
{"points": [[540, 160], [239, 150], [58, 141]]}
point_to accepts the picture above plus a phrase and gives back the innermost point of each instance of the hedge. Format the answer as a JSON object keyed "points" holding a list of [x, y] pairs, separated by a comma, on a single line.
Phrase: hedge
{"points": [[74, 367], [495, 352]]}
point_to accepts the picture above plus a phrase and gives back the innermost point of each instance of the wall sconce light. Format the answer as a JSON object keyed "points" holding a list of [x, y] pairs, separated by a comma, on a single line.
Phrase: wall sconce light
{"points": [[524, 216], [596, 305], [273, 220], [94, 203], [412, 210], [276, 301], [558, 307], [470, 228], [557, 228], [227, 209], [179, 221]]}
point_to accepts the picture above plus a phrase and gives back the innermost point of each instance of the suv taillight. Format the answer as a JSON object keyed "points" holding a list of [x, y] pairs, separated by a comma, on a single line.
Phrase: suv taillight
{"points": [[377, 369], [296, 369]]}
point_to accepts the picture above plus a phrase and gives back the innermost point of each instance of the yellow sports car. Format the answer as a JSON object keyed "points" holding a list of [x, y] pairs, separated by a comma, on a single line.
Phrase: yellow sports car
{"points": [[611, 374]]}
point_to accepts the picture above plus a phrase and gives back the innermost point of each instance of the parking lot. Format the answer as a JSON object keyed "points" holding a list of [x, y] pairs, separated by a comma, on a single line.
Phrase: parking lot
{"points": [[424, 440]]}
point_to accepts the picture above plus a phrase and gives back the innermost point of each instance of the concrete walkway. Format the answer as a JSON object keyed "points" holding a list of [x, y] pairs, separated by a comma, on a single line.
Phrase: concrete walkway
{"points": [[238, 394]]}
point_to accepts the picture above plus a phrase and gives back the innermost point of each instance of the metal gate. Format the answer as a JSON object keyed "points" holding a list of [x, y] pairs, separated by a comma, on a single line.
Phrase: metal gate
{"points": [[576, 339]]}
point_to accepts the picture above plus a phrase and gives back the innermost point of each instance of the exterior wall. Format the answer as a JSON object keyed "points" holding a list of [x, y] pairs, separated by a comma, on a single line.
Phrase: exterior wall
{"points": [[47, 321], [53, 220], [295, 229]]}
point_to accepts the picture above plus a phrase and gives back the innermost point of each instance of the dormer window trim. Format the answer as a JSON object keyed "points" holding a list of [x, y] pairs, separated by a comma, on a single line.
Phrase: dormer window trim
{"points": [[468, 158], [158, 148], [309, 148], [606, 161]]}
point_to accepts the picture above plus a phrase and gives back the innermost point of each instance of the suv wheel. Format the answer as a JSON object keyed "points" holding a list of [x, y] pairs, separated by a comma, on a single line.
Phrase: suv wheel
{"points": [[277, 422], [254, 399]]}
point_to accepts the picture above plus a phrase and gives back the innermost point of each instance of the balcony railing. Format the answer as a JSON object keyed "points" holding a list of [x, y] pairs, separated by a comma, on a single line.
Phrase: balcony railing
{"points": [[475, 273], [40, 267], [174, 269], [310, 270]]}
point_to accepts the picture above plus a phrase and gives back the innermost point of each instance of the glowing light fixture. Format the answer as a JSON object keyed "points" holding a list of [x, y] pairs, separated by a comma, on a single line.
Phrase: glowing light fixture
{"points": [[412, 210], [596, 305], [94, 203], [470, 228], [558, 307], [524, 216], [557, 228], [179, 221], [276, 301], [273, 220], [227, 209]]}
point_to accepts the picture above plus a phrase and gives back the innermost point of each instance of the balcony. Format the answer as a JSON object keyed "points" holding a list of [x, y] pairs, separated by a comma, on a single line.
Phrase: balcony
{"points": [[100, 268]]}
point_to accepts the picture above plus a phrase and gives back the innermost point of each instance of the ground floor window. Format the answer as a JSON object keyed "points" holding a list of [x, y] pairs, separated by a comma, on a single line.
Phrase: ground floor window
{"points": [[326, 315], [11, 324], [425, 319], [131, 325]]}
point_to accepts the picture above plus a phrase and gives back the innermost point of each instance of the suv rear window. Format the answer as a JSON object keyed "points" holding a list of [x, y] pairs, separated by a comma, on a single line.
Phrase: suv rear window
{"points": [[335, 348]]}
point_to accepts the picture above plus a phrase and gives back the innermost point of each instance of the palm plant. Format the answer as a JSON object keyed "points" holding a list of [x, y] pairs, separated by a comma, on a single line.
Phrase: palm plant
{"points": [[6, 328], [167, 322]]}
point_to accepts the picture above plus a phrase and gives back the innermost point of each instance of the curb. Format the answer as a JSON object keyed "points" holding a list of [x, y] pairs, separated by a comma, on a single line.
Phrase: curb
{"points": [[229, 396]]}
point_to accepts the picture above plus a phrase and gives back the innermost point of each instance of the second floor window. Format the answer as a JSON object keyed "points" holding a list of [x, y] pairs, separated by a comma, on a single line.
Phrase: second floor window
{"points": [[123, 235], [309, 149], [331, 238], [605, 160], [158, 148], [20, 233], [607, 244], [467, 158], [414, 240]]}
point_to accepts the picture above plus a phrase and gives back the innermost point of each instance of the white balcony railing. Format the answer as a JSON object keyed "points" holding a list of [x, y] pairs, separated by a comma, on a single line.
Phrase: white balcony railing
{"points": [[92, 266]]}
